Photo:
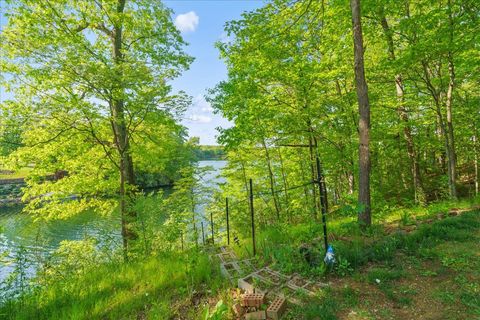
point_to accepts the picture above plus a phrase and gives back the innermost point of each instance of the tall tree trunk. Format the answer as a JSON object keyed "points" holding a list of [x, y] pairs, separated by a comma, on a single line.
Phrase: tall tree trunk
{"points": [[452, 157], [351, 182], [194, 222], [285, 182], [364, 216], [321, 182], [349, 173], [271, 179], [245, 180], [313, 177], [127, 176], [402, 112], [440, 132], [302, 172], [446, 136], [443, 129]]}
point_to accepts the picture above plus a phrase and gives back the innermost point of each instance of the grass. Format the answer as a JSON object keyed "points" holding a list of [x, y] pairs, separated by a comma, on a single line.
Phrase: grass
{"points": [[280, 244], [432, 273], [419, 262], [164, 287], [425, 267]]}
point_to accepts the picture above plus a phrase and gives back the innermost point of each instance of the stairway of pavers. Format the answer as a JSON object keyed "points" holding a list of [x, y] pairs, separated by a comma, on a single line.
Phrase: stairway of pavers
{"points": [[262, 286]]}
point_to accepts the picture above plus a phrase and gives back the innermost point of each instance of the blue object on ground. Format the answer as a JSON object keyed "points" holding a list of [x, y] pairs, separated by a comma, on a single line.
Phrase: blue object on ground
{"points": [[330, 256]]}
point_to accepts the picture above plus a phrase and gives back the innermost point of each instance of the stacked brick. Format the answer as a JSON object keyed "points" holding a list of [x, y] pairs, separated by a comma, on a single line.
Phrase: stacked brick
{"points": [[251, 306]]}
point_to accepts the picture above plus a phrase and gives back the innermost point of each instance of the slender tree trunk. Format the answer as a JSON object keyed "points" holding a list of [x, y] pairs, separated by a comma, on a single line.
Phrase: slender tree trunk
{"points": [[450, 151], [271, 179], [364, 216], [452, 157], [245, 180], [443, 129], [351, 182], [321, 182], [194, 222], [284, 177], [315, 207], [302, 172], [349, 173], [402, 112], [127, 176], [440, 132]]}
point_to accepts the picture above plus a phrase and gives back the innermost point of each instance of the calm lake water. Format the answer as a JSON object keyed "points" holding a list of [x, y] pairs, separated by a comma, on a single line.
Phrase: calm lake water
{"points": [[38, 239]]}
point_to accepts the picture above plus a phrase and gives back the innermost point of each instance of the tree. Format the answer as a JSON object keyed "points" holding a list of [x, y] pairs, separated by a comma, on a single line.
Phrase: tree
{"points": [[403, 111], [364, 216], [290, 82], [91, 80]]}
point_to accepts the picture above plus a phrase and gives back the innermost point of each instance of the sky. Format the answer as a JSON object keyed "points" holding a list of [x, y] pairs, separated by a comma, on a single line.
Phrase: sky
{"points": [[201, 23]]}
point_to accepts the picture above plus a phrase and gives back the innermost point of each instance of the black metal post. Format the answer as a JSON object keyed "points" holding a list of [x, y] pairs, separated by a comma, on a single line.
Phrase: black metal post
{"points": [[203, 235], [252, 215], [323, 196], [228, 222], [211, 225]]}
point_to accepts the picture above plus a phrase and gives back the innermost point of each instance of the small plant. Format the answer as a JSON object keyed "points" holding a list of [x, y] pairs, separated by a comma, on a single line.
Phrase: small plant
{"points": [[218, 312], [320, 270], [405, 218], [343, 267]]}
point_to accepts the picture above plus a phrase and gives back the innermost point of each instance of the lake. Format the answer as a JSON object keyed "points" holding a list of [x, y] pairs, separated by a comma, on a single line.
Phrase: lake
{"points": [[19, 231]]}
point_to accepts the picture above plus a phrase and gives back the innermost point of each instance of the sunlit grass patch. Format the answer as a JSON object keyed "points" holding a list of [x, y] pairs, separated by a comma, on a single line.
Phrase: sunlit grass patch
{"points": [[115, 291]]}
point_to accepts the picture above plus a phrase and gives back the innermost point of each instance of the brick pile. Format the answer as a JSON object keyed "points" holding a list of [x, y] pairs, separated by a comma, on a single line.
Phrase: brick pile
{"points": [[254, 306]]}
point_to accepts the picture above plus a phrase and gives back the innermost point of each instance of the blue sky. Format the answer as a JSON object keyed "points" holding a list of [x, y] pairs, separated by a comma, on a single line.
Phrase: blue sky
{"points": [[202, 22], [207, 69]]}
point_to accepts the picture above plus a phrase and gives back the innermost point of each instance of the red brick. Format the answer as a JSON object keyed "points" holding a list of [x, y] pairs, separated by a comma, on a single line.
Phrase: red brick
{"points": [[253, 300], [277, 308]]}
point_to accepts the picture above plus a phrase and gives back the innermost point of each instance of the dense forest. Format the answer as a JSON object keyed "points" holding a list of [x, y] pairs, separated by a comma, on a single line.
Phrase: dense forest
{"points": [[292, 95], [351, 162]]}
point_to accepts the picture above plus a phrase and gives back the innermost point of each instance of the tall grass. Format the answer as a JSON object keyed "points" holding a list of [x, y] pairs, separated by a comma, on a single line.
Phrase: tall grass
{"points": [[142, 289]]}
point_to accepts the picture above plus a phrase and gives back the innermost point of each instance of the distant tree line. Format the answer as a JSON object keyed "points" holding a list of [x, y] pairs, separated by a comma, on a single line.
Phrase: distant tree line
{"points": [[209, 153]]}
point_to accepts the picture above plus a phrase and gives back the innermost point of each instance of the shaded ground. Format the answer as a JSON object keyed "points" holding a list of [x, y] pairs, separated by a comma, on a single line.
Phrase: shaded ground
{"points": [[437, 279]]}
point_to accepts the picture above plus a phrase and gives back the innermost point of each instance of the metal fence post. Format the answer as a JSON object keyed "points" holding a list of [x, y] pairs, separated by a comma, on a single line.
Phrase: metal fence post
{"points": [[252, 215], [211, 224], [323, 196], [228, 222]]}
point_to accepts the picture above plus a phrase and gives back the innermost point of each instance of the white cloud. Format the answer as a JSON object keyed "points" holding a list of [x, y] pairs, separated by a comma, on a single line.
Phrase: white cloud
{"points": [[201, 111], [200, 119], [187, 22], [199, 103]]}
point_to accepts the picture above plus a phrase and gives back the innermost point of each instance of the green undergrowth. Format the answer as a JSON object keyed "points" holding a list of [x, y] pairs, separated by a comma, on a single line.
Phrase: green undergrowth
{"points": [[169, 286], [432, 272], [280, 245]]}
